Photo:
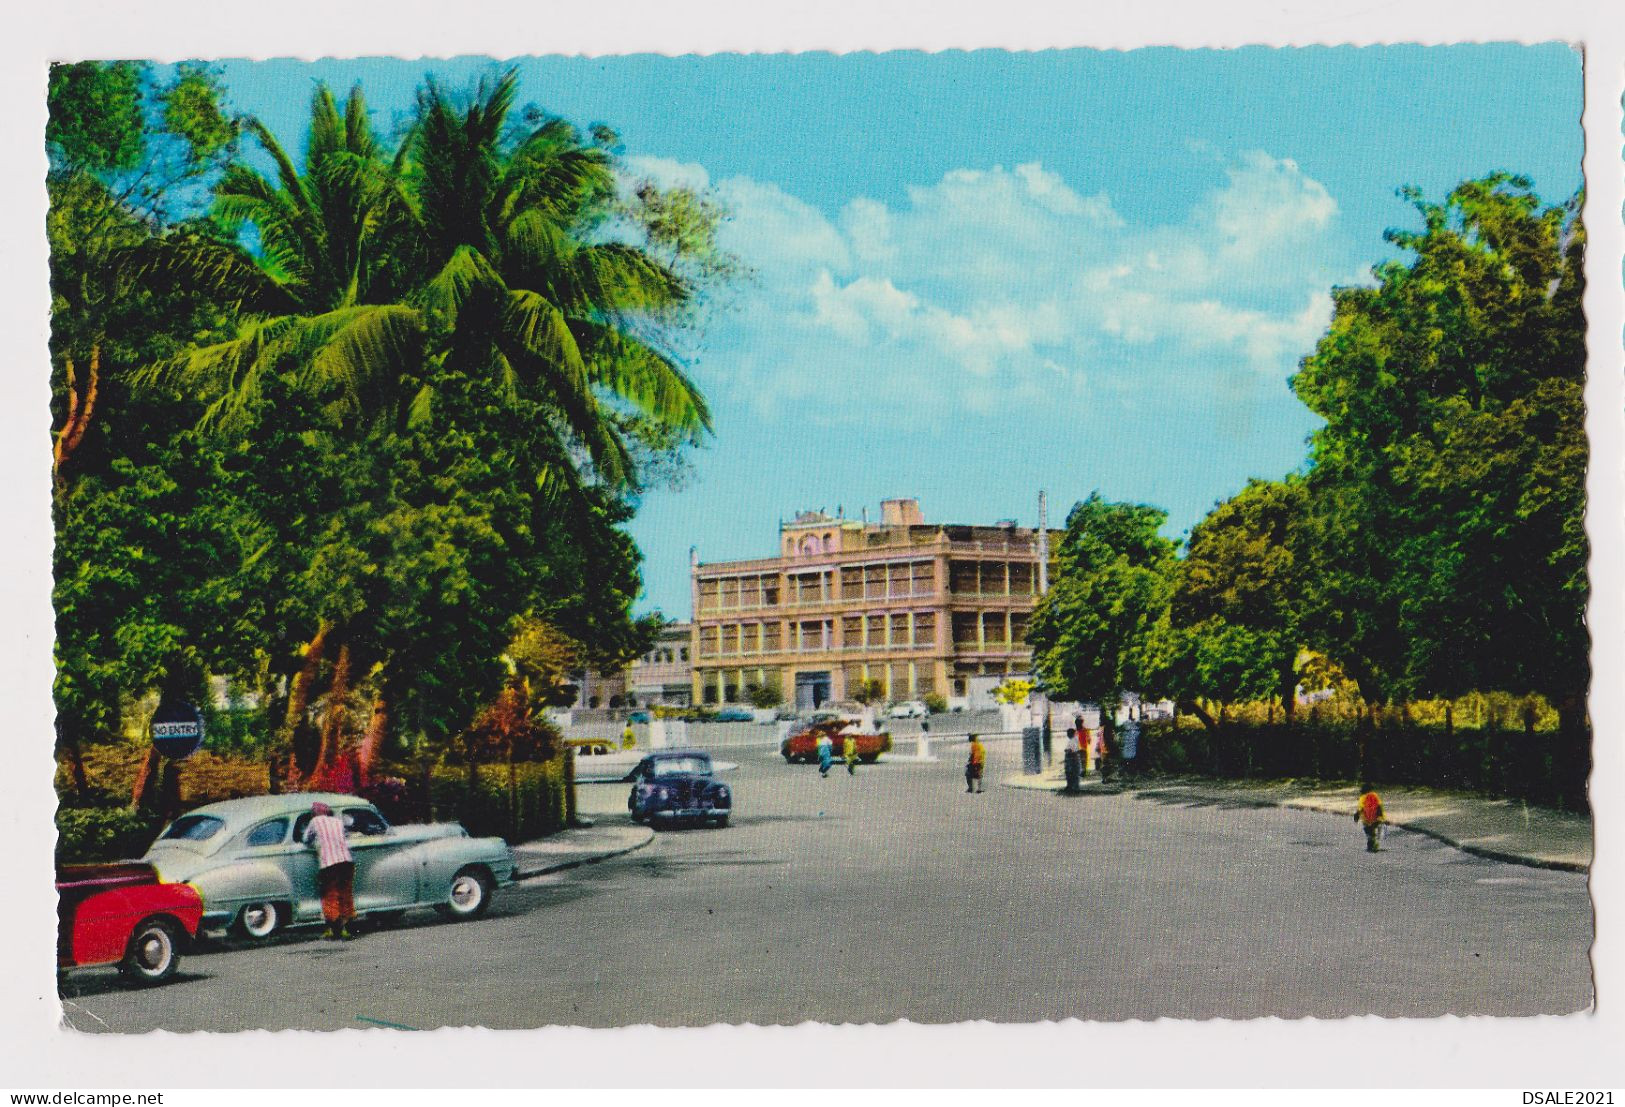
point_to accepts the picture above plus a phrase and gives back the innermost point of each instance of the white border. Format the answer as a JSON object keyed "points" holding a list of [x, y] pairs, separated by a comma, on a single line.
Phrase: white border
{"points": [[1571, 1052]]}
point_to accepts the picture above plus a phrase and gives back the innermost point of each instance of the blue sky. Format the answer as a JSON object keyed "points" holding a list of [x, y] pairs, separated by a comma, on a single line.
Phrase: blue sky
{"points": [[982, 274]]}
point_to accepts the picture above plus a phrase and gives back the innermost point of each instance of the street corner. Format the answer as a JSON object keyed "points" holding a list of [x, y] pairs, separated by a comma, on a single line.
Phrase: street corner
{"points": [[571, 849]]}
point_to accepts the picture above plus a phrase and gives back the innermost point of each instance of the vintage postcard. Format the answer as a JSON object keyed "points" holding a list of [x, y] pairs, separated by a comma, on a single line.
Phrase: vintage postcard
{"points": [[840, 538]]}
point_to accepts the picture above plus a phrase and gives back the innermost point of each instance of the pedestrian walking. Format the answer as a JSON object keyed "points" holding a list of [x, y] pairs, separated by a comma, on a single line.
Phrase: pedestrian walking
{"points": [[849, 753], [1130, 748], [826, 751], [974, 764], [1074, 760], [335, 870], [629, 737], [1369, 814]]}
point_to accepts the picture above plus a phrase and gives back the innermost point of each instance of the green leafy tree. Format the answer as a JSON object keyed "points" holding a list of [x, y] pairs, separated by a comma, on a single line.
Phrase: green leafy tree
{"points": [[1445, 534], [1092, 633], [456, 329], [1239, 595]]}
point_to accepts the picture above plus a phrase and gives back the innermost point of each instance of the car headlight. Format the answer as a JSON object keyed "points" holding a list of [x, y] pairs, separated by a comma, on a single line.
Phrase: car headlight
{"points": [[660, 793]]}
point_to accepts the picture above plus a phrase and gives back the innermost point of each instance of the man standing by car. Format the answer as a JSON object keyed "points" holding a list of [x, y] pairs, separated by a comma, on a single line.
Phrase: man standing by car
{"points": [[335, 870]]}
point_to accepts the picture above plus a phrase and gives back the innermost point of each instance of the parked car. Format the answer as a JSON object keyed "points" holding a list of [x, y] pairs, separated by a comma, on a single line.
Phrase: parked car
{"points": [[736, 715], [909, 709], [638, 717], [248, 859], [802, 744], [121, 914], [601, 762], [675, 786]]}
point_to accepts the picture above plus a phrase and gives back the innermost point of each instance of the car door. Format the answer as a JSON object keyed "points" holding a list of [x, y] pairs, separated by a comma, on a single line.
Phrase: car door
{"points": [[301, 864], [385, 875]]}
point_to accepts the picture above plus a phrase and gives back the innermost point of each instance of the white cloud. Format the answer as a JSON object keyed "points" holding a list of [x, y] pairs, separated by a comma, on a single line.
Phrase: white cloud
{"points": [[993, 285]]}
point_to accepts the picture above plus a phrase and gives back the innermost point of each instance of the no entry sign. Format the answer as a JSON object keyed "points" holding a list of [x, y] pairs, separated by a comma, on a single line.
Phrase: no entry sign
{"points": [[177, 730]]}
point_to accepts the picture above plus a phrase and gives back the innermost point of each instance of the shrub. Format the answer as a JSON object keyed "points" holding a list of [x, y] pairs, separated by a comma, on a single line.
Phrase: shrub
{"points": [[762, 696], [486, 808], [103, 833], [935, 702]]}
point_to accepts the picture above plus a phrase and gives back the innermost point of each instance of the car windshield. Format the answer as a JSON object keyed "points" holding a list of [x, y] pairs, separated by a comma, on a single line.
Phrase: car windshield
{"points": [[193, 828], [674, 766]]}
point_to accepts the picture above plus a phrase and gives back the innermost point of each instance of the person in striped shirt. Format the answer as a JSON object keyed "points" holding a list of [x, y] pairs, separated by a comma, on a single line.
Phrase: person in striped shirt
{"points": [[335, 870]]}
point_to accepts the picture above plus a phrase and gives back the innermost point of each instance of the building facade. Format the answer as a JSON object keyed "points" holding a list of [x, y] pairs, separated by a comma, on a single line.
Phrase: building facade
{"points": [[916, 607], [665, 674]]}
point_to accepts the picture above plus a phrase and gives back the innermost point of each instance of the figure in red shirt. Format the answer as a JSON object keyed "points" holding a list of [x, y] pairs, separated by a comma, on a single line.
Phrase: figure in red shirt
{"points": [[335, 870], [1369, 815]]}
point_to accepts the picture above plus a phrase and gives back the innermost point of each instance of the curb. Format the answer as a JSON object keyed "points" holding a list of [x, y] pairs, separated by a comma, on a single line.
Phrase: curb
{"points": [[577, 862], [1485, 852]]}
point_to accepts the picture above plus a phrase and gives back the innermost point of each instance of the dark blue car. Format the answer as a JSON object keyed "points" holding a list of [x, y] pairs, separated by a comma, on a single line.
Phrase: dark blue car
{"points": [[677, 786]]}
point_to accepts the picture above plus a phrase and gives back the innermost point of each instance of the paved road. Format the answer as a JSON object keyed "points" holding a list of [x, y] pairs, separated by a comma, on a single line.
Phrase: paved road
{"points": [[896, 895]]}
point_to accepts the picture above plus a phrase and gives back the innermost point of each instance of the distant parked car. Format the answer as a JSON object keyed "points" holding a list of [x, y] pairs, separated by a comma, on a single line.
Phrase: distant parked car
{"points": [[638, 717], [735, 715], [909, 709], [598, 762], [802, 744], [675, 786], [121, 914], [248, 859]]}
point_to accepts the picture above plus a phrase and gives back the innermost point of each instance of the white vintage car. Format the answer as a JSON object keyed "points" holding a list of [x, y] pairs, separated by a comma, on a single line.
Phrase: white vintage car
{"points": [[248, 860]]}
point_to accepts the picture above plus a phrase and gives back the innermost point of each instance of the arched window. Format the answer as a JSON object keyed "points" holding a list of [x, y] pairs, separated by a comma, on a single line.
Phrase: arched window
{"points": [[809, 545]]}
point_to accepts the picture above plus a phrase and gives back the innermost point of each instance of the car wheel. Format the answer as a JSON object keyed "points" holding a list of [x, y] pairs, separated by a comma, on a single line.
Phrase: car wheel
{"points": [[258, 921], [870, 759], [722, 821], [469, 895], [153, 953]]}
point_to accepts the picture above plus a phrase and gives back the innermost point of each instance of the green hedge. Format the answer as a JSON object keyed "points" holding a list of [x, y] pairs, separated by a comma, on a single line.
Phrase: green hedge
{"points": [[486, 809], [1541, 767], [103, 833]]}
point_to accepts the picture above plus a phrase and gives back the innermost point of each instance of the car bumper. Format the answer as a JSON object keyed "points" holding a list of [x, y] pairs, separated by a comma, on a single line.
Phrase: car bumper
{"points": [[689, 813], [215, 924]]}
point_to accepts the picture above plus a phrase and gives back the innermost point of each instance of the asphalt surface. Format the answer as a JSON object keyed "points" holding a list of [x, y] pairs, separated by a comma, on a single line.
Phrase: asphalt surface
{"points": [[894, 894]]}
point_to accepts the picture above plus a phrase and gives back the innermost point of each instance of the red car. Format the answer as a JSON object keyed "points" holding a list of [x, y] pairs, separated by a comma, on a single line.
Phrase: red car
{"points": [[803, 744], [121, 914]]}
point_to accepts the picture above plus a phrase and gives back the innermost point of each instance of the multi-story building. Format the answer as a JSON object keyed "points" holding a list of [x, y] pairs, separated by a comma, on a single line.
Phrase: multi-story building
{"points": [[665, 674], [917, 607]]}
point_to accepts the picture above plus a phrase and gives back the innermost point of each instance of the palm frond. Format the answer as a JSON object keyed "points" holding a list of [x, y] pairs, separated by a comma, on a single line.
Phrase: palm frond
{"points": [[636, 373]]}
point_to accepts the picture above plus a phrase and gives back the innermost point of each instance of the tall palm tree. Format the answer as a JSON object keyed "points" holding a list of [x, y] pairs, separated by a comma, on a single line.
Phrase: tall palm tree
{"points": [[320, 288], [529, 292], [378, 285]]}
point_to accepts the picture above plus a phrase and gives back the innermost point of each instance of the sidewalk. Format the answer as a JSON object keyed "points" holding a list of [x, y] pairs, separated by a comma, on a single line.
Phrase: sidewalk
{"points": [[1503, 830], [577, 846]]}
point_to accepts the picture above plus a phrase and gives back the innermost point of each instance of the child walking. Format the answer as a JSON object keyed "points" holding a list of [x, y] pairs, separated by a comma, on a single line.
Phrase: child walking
{"points": [[974, 764], [1369, 815]]}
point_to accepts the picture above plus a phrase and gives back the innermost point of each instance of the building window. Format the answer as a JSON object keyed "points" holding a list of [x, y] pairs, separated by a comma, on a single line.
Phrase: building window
{"points": [[683, 653]]}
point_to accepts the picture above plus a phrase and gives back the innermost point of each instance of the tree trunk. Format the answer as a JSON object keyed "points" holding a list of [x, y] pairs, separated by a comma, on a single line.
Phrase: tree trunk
{"points": [[1193, 707], [334, 722], [293, 737], [372, 742], [69, 741], [81, 405], [1288, 691], [1362, 734], [144, 794]]}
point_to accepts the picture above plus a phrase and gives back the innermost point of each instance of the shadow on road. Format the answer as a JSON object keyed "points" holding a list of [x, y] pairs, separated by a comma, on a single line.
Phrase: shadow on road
{"points": [[83, 985]]}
